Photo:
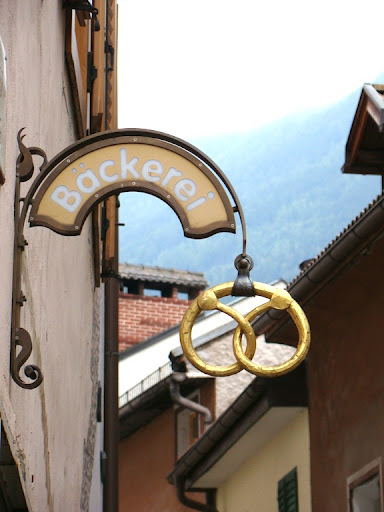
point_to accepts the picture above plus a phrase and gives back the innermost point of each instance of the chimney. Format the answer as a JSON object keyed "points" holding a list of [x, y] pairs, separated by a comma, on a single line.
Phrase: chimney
{"points": [[153, 299]]}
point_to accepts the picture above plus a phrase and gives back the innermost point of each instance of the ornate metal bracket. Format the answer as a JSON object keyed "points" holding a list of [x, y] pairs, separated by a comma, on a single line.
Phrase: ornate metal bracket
{"points": [[19, 336]]}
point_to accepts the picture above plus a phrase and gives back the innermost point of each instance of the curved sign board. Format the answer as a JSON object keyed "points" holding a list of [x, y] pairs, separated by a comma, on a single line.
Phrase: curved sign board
{"points": [[132, 160]]}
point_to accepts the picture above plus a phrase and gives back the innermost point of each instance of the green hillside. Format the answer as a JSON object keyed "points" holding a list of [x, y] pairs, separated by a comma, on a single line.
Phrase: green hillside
{"points": [[294, 196]]}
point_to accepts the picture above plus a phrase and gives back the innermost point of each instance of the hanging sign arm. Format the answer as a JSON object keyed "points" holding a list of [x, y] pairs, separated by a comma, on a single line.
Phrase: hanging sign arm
{"points": [[20, 337]]}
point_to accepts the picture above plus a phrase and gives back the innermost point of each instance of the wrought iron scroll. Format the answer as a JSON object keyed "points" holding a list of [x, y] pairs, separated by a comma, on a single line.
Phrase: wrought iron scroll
{"points": [[21, 343]]}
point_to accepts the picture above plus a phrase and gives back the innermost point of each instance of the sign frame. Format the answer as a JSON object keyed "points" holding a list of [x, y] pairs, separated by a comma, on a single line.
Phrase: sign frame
{"points": [[126, 137]]}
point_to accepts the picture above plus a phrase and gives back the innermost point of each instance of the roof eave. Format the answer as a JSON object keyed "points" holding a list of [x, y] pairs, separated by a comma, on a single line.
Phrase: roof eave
{"points": [[328, 264], [357, 159]]}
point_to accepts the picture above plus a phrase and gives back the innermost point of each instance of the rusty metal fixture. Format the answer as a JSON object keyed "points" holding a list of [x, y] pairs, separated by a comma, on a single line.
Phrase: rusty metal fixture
{"points": [[86, 9], [278, 299], [19, 336], [243, 287], [80, 5]]}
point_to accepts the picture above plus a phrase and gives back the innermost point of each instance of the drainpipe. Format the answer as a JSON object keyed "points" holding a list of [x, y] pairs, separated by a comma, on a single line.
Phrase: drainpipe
{"points": [[188, 502], [174, 390], [111, 346], [111, 406], [111, 411], [111, 362]]}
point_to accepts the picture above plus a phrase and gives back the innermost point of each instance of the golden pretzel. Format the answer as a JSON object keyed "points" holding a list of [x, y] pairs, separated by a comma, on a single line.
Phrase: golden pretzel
{"points": [[279, 299]]}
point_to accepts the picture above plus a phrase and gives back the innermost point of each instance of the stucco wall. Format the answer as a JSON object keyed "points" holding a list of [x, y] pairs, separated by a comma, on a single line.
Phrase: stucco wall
{"points": [[254, 485], [51, 429]]}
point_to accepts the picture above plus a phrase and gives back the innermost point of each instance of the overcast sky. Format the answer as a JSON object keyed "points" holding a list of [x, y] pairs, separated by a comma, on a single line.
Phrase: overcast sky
{"points": [[209, 67]]}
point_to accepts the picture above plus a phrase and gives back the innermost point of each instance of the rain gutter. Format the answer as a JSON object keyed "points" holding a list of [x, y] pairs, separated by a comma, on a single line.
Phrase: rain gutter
{"points": [[188, 502]]}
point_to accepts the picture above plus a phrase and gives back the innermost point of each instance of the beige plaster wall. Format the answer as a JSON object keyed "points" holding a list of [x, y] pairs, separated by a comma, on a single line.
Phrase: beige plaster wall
{"points": [[51, 429], [254, 485]]}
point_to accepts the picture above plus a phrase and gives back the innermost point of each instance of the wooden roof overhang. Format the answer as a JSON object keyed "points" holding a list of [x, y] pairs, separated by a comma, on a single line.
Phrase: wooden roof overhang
{"points": [[365, 146]]}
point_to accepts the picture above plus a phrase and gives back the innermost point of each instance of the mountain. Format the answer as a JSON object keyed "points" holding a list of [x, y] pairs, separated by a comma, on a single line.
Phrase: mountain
{"points": [[288, 179]]}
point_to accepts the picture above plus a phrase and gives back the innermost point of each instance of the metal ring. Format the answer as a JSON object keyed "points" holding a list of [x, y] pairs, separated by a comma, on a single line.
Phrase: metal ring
{"points": [[279, 299], [208, 301]]}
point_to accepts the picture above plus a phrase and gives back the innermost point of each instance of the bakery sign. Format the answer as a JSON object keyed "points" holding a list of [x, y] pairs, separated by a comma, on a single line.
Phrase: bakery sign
{"points": [[133, 160]]}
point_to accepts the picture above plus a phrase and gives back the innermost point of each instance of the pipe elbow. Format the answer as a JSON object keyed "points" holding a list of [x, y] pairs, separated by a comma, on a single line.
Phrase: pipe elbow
{"points": [[176, 396]]}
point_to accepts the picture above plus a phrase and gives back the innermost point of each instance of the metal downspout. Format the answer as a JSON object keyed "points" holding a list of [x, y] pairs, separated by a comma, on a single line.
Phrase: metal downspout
{"points": [[111, 346], [111, 393], [111, 410], [174, 390], [188, 502]]}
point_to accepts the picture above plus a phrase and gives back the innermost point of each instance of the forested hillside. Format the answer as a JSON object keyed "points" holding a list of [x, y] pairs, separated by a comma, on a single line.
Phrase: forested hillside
{"points": [[295, 199]]}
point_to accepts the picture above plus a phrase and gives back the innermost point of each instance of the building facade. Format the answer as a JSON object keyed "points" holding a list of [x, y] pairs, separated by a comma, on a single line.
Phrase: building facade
{"points": [[52, 435], [256, 454], [341, 291]]}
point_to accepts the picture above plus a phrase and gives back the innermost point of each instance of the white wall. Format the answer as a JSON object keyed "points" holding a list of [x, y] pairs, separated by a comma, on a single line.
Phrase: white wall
{"points": [[51, 429]]}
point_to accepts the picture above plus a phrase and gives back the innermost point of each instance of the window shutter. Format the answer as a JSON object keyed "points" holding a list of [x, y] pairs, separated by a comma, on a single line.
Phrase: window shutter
{"points": [[76, 52], [287, 492]]}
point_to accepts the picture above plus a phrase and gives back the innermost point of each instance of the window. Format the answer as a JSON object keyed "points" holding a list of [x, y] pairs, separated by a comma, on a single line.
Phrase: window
{"points": [[76, 52], [152, 292], [364, 489], [287, 494]]}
